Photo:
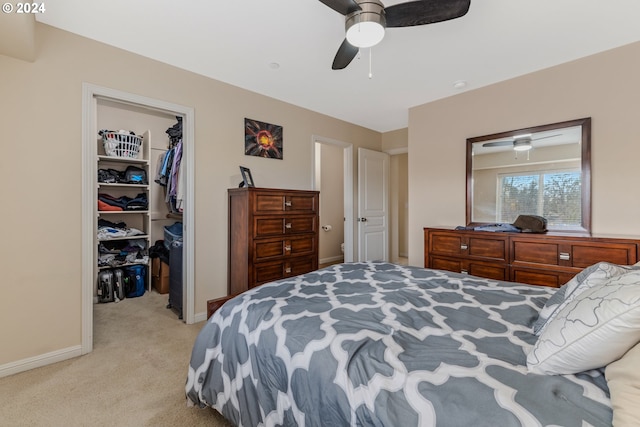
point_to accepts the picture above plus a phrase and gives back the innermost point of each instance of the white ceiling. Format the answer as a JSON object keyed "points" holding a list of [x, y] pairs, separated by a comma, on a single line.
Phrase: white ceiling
{"points": [[235, 41]]}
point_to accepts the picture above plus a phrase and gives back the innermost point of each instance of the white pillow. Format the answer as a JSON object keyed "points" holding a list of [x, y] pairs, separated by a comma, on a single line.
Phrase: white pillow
{"points": [[594, 329], [623, 378], [594, 275]]}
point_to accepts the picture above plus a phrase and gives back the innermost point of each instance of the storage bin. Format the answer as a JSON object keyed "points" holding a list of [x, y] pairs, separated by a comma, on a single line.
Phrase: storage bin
{"points": [[172, 233]]}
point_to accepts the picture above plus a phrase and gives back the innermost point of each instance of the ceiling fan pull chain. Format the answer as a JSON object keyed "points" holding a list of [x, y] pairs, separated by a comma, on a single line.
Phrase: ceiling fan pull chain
{"points": [[370, 54]]}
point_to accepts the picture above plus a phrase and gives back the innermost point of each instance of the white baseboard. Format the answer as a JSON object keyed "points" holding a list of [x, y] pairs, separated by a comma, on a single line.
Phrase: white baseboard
{"points": [[200, 317], [330, 259], [39, 361]]}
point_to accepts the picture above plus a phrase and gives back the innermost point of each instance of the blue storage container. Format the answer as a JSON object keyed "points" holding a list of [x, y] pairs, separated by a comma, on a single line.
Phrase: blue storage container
{"points": [[172, 233]]}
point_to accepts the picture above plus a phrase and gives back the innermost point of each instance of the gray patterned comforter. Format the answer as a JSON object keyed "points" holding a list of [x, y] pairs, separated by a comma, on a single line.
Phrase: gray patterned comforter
{"points": [[377, 344]]}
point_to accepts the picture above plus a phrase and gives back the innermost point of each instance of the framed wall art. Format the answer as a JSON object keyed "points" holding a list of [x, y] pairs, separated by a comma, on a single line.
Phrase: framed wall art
{"points": [[262, 139]]}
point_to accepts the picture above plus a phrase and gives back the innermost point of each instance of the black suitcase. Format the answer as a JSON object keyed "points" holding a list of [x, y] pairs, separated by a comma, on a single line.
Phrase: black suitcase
{"points": [[118, 284], [105, 286], [175, 277]]}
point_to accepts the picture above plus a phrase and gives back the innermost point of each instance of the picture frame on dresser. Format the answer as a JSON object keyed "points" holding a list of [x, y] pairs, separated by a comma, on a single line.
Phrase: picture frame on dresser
{"points": [[247, 179]]}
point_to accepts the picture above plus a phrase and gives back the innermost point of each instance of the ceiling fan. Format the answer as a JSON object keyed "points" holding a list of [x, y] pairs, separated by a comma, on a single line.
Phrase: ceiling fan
{"points": [[520, 143], [366, 20]]}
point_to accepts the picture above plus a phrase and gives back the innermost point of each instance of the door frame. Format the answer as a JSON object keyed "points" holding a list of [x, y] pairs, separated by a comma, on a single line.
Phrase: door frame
{"points": [[348, 188], [90, 95], [394, 229]]}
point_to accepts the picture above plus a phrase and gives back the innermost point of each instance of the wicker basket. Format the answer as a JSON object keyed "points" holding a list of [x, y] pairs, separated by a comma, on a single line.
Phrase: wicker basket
{"points": [[121, 144]]}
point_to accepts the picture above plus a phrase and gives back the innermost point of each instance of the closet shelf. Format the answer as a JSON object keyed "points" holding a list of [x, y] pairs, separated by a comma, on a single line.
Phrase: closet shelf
{"points": [[113, 239], [173, 215], [122, 212], [108, 267], [119, 185], [113, 159]]}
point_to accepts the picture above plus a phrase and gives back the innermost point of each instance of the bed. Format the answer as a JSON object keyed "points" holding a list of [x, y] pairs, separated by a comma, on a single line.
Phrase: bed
{"points": [[379, 344]]}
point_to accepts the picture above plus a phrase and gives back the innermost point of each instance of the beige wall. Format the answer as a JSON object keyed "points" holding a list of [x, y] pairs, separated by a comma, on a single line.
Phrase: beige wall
{"points": [[395, 140], [41, 170], [331, 202], [604, 86]]}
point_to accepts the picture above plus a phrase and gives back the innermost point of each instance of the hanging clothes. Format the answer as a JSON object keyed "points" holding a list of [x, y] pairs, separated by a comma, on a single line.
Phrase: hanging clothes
{"points": [[169, 170]]}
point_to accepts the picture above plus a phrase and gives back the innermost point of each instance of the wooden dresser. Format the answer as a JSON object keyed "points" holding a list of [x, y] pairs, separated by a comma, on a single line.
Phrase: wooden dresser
{"points": [[539, 259], [273, 234]]}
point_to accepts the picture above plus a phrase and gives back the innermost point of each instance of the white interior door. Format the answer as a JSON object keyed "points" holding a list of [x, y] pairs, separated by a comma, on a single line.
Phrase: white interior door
{"points": [[373, 205]]}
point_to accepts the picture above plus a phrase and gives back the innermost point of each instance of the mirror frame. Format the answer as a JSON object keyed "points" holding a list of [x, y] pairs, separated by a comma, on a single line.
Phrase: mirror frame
{"points": [[585, 166]]}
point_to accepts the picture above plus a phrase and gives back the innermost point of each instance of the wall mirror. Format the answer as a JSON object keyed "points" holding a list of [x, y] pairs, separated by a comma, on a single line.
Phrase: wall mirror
{"points": [[542, 170]]}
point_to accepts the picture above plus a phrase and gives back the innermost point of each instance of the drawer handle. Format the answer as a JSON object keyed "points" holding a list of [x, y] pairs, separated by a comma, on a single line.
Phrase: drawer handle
{"points": [[287, 225], [565, 256], [287, 270], [463, 271], [464, 247], [287, 248], [287, 204]]}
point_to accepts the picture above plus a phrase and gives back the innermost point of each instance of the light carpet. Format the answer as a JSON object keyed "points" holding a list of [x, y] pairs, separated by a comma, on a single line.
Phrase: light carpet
{"points": [[135, 375]]}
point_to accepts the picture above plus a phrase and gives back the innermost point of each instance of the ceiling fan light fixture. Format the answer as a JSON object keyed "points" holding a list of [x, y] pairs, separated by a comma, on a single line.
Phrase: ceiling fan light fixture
{"points": [[522, 144], [365, 27], [365, 34]]}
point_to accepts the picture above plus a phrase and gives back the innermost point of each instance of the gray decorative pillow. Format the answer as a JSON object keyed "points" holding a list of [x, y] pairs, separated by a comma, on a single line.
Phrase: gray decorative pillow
{"points": [[591, 276], [597, 327]]}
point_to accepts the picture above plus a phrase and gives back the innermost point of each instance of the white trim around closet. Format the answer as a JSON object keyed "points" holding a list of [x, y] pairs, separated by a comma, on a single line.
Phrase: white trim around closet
{"points": [[90, 94]]}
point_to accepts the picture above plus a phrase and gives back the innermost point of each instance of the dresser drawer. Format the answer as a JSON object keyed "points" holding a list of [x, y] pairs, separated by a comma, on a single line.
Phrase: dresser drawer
{"points": [[267, 203], [489, 246], [570, 253], [544, 277], [265, 249], [584, 255], [283, 225], [274, 270], [489, 270], [539, 252]]}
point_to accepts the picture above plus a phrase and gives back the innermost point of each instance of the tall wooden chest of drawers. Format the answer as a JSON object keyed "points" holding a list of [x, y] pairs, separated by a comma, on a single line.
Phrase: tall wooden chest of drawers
{"points": [[273, 234], [539, 259]]}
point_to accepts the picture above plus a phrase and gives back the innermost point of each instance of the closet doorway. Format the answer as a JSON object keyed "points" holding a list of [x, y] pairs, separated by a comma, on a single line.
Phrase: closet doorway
{"points": [[105, 108], [332, 175], [399, 205]]}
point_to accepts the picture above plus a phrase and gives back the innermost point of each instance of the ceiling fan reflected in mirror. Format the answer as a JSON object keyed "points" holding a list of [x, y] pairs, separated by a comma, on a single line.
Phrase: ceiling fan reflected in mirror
{"points": [[366, 20], [519, 143]]}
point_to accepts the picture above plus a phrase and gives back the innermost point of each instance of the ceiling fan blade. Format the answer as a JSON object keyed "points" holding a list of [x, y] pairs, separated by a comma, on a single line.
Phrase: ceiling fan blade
{"points": [[497, 143], [344, 7], [425, 12], [548, 136], [345, 55]]}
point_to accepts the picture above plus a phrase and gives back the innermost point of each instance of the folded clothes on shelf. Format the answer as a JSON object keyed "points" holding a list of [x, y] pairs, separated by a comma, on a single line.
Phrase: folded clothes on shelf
{"points": [[121, 252], [125, 203], [110, 230]]}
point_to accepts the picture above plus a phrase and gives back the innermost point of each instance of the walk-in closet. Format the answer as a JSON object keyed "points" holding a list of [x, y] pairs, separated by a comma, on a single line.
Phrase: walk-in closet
{"points": [[148, 233], [137, 183]]}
